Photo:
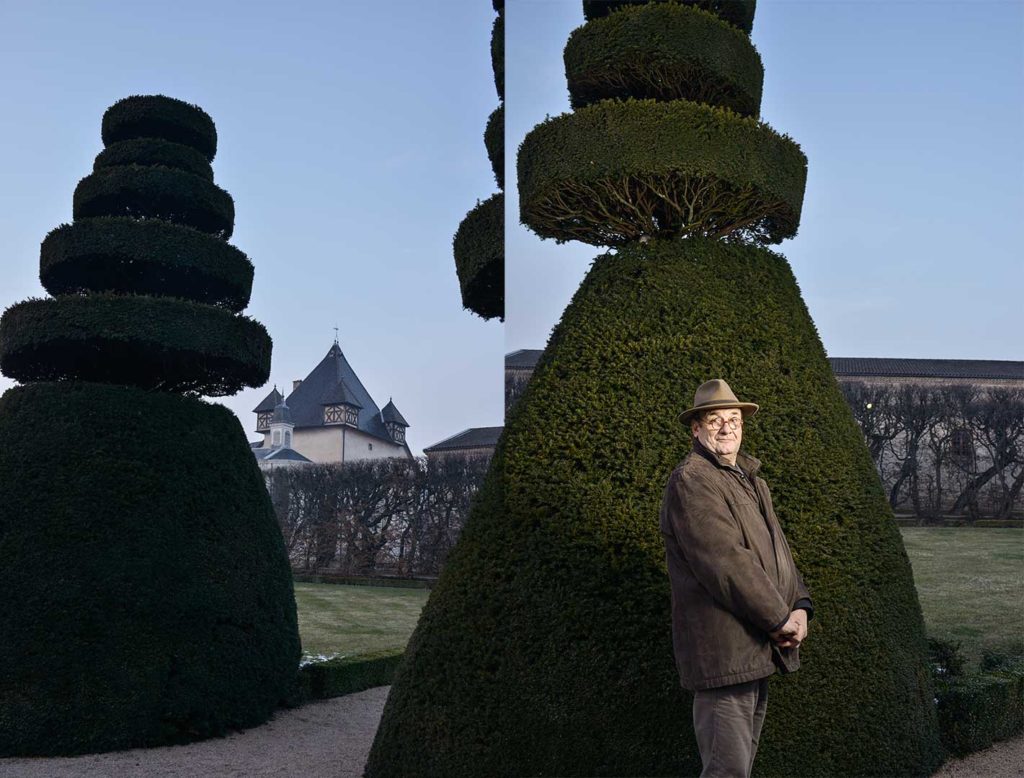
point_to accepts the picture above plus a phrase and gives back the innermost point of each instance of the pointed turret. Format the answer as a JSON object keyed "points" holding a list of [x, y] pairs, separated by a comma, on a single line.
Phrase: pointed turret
{"points": [[394, 422], [265, 410]]}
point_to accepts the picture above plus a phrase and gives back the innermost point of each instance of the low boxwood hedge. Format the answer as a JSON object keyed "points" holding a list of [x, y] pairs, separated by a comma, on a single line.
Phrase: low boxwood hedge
{"points": [[150, 257], [739, 13], [664, 52], [545, 647], [494, 140], [977, 710], [156, 193], [150, 342], [616, 172], [479, 248], [154, 151], [148, 595], [157, 116], [347, 674]]}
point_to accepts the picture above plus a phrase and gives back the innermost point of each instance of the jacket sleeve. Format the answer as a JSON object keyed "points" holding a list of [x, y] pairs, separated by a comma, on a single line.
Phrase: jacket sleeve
{"points": [[712, 544]]}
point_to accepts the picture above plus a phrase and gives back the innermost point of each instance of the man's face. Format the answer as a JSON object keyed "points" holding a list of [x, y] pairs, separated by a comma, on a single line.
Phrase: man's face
{"points": [[721, 440]]}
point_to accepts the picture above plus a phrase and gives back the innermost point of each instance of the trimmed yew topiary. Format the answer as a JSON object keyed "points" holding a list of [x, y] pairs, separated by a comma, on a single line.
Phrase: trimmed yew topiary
{"points": [[545, 648], [479, 243], [151, 595]]}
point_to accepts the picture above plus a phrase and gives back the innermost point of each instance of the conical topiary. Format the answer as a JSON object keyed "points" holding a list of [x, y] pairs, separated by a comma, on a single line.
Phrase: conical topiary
{"points": [[148, 594], [479, 243], [546, 648]]}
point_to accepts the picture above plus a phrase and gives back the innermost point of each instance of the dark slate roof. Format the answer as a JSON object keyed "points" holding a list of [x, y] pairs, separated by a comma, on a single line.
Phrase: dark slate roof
{"points": [[475, 437], [306, 401], [390, 413], [279, 454], [282, 413], [269, 402], [524, 359], [339, 394], [849, 367]]}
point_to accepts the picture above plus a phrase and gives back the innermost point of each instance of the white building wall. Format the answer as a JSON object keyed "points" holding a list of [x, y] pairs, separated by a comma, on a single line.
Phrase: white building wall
{"points": [[324, 444]]}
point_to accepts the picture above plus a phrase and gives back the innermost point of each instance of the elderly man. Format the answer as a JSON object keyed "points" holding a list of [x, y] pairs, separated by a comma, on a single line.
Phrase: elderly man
{"points": [[739, 607]]}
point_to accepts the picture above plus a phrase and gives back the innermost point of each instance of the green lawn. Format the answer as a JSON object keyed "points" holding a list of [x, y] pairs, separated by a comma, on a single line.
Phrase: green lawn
{"points": [[348, 620], [971, 585]]}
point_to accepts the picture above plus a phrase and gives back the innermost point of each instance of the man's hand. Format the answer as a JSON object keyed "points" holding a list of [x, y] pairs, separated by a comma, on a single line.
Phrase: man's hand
{"points": [[792, 633]]}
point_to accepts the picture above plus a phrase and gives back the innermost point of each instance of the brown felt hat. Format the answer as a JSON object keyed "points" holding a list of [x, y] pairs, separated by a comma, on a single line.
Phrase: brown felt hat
{"points": [[715, 394]]}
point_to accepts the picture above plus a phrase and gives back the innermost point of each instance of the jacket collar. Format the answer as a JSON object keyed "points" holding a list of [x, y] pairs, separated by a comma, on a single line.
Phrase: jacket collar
{"points": [[748, 464]]}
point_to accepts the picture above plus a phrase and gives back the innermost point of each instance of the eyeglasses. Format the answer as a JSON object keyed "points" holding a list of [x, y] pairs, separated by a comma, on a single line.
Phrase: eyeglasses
{"points": [[717, 422]]}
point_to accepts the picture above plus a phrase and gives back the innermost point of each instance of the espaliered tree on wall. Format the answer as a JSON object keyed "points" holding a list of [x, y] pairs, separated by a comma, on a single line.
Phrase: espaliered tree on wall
{"points": [[148, 595], [479, 243], [545, 648]]}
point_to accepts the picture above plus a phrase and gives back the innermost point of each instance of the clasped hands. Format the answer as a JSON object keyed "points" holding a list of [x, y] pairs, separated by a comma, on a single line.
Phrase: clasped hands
{"points": [[792, 633]]}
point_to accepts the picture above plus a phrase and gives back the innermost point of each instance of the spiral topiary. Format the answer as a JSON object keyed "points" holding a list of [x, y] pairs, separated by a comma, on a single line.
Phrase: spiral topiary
{"points": [[149, 595], [479, 243], [545, 648]]}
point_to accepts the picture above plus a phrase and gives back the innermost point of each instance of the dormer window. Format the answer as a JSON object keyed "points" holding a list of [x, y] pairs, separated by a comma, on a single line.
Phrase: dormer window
{"points": [[263, 420], [333, 414], [397, 432], [351, 415]]}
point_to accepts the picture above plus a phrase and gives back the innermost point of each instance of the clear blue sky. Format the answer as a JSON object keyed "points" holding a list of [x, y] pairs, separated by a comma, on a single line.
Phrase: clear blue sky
{"points": [[911, 115], [351, 138]]}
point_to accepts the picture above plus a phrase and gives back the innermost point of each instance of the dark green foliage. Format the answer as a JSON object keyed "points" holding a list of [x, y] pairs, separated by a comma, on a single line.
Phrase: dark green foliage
{"points": [[156, 116], [664, 52], [976, 711], [156, 193], [614, 172], [498, 55], [479, 247], [151, 342], [545, 647], [946, 657], [148, 599], [154, 151], [498, 5], [494, 139], [145, 257], [347, 674], [739, 13]]}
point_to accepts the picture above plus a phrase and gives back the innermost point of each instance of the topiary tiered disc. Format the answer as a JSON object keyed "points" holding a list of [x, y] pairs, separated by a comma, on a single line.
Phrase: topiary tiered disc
{"points": [[150, 342], [479, 247], [157, 116], [145, 257], [615, 172], [494, 140], [154, 151], [739, 13], [664, 52]]}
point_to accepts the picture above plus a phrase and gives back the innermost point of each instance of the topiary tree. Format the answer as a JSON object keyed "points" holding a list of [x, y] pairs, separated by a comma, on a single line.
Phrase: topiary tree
{"points": [[545, 648], [148, 595], [479, 243]]}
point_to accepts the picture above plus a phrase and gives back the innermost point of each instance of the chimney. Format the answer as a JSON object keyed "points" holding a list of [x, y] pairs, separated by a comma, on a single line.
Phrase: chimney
{"points": [[295, 384]]}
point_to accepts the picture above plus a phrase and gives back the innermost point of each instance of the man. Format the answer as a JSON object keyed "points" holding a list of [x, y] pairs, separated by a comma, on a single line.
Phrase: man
{"points": [[739, 607]]}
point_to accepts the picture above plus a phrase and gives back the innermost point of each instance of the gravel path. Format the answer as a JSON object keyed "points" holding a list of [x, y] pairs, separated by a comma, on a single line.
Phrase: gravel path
{"points": [[331, 739]]}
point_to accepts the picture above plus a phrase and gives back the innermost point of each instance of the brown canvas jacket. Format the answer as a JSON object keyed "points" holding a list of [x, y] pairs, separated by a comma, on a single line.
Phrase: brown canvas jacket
{"points": [[731, 571]]}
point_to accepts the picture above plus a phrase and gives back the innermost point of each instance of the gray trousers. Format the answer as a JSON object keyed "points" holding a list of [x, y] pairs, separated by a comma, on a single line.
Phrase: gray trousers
{"points": [[727, 722]]}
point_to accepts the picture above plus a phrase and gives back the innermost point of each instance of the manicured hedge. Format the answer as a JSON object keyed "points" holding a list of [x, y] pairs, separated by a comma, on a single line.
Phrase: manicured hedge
{"points": [[347, 674], [147, 595], [154, 151], [144, 257], [151, 342], [739, 13], [156, 116], [498, 55], [664, 52], [494, 139], [614, 172], [976, 711], [479, 248], [156, 193], [545, 648]]}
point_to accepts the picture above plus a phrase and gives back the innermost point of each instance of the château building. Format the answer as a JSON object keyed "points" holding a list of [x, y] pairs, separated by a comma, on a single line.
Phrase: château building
{"points": [[328, 417]]}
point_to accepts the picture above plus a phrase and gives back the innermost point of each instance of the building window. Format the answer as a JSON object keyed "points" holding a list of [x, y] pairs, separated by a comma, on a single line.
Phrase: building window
{"points": [[332, 414], [287, 438], [275, 438], [370, 446], [263, 420], [351, 416], [961, 444]]}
